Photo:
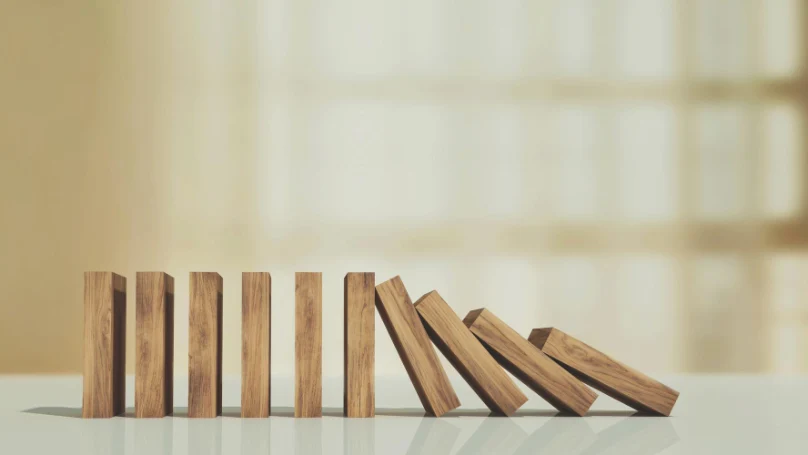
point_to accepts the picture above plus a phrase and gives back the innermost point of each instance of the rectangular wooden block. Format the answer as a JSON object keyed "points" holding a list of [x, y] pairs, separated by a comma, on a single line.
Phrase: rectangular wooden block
{"points": [[468, 356], [413, 346], [256, 307], [308, 344], [104, 391], [205, 345], [154, 337], [600, 371], [529, 364], [359, 345]]}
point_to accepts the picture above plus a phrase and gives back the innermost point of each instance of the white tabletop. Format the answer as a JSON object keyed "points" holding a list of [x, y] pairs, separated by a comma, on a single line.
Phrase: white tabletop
{"points": [[715, 414]]}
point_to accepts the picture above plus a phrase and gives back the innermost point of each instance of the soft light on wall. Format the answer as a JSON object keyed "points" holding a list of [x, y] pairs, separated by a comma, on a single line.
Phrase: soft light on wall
{"points": [[633, 171]]}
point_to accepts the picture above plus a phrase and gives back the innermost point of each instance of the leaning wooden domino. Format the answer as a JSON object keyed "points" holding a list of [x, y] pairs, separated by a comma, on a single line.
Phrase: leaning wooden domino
{"points": [[413, 346], [468, 356], [530, 365], [600, 371]]}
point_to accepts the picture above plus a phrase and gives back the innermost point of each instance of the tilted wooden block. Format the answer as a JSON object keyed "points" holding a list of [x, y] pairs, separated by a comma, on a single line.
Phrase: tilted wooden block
{"points": [[604, 373], [205, 345], [413, 346], [530, 365], [154, 367], [468, 356], [256, 308], [359, 345], [308, 344], [104, 345]]}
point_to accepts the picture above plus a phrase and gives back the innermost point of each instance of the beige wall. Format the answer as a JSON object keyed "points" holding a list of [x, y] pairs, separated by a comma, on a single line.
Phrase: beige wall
{"points": [[643, 188], [99, 151], [63, 140]]}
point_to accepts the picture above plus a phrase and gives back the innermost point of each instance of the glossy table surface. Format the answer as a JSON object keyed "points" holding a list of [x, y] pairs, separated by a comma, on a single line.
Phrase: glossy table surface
{"points": [[715, 414]]}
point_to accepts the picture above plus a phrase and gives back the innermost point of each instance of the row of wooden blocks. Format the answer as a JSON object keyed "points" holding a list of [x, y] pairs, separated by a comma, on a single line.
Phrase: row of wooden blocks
{"points": [[551, 363]]}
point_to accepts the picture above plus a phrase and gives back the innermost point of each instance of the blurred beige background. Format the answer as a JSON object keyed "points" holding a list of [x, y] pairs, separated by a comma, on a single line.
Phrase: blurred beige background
{"points": [[632, 171]]}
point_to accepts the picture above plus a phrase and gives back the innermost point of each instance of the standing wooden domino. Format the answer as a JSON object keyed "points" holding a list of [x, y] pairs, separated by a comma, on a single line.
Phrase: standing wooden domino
{"points": [[308, 344], [154, 334], [413, 346], [530, 365], [104, 345], [205, 345], [600, 371], [358, 346], [256, 305], [468, 356]]}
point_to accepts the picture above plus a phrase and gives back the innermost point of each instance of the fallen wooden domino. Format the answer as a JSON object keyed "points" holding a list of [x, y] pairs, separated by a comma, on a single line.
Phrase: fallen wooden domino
{"points": [[488, 380], [529, 364], [603, 373], [413, 346]]}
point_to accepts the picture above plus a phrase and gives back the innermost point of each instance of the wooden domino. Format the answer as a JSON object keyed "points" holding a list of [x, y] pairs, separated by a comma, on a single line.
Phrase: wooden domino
{"points": [[553, 364], [154, 339], [308, 344], [603, 373], [359, 345], [205, 345], [468, 356], [529, 364], [104, 386], [414, 348], [256, 305]]}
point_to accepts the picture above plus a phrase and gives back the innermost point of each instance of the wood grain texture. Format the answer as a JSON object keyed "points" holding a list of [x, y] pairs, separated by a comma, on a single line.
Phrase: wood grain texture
{"points": [[205, 345], [359, 345], [468, 356], [413, 346], [104, 386], [308, 344], [530, 365], [600, 371], [256, 309], [154, 339]]}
